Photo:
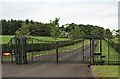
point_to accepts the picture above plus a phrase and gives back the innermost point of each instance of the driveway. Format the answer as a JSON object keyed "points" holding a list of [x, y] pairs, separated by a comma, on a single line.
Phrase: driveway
{"points": [[46, 70]]}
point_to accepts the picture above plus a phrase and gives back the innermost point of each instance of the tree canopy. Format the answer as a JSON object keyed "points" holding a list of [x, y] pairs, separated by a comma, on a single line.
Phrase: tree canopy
{"points": [[11, 27], [55, 30]]}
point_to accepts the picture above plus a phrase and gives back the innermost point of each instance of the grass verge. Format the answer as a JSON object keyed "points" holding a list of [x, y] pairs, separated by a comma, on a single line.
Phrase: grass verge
{"points": [[112, 55], [106, 70]]}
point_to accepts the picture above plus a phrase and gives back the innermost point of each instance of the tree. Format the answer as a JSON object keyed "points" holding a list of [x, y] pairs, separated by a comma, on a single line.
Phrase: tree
{"points": [[118, 32], [97, 31], [108, 33], [4, 27], [55, 31], [9, 27], [118, 35], [75, 33], [23, 31], [27, 21]]}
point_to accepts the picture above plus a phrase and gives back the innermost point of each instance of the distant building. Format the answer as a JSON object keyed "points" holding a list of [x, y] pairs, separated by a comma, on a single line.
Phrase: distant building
{"points": [[64, 34]]}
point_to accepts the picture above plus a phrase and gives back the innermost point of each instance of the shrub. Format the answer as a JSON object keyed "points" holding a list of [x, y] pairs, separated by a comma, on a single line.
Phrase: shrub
{"points": [[116, 46], [42, 46]]}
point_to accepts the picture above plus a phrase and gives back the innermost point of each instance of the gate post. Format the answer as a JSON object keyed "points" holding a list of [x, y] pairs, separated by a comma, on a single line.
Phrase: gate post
{"points": [[20, 50], [108, 50], [56, 52], [24, 52], [32, 50], [83, 50], [101, 50], [12, 51], [97, 55], [92, 50], [17, 50]]}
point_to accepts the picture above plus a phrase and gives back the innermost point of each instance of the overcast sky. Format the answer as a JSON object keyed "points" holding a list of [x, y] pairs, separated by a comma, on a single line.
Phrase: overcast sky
{"points": [[103, 13]]}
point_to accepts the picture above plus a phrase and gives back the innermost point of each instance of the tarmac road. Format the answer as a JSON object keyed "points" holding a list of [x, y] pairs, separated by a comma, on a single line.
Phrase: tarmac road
{"points": [[46, 70], [51, 69]]}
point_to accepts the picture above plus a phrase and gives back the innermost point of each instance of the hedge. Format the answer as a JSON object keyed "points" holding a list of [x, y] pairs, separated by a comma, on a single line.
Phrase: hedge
{"points": [[116, 46], [42, 46]]}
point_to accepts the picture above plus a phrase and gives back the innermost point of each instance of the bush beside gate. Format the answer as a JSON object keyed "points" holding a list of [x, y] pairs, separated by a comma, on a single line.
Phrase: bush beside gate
{"points": [[42, 46], [116, 46]]}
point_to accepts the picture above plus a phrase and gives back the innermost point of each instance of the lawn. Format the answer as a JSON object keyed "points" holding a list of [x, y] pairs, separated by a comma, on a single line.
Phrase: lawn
{"points": [[106, 70], [112, 55], [4, 39]]}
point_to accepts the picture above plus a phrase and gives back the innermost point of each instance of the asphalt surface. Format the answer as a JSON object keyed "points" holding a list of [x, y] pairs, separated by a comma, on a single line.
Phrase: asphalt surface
{"points": [[76, 56], [52, 69], [46, 70]]}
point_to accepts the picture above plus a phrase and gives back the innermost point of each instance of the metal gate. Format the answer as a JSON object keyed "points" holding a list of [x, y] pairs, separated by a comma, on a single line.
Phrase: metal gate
{"points": [[86, 50], [72, 51]]}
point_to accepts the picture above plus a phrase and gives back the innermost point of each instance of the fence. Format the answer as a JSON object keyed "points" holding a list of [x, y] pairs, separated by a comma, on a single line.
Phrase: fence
{"points": [[86, 50]]}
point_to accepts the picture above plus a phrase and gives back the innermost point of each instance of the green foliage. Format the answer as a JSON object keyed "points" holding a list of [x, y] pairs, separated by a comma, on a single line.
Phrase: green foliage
{"points": [[37, 28], [85, 29], [97, 31], [40, 29], [55, 30], [118, 34], [75, 33], [49, 46], [24, 30], [107, 32], [9, 27], [42, 46], [6, 38], [114, 45]]}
